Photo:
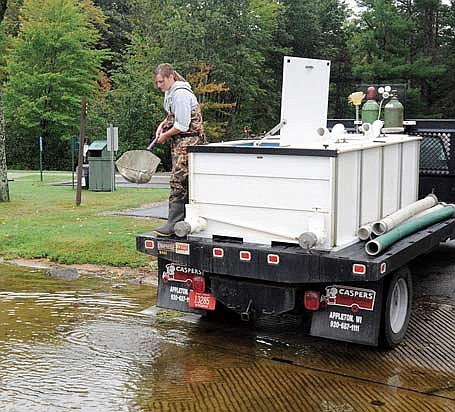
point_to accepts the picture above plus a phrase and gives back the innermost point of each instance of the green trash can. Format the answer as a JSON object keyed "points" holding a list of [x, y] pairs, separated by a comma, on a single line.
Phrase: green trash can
{"points": [[100, 167]]}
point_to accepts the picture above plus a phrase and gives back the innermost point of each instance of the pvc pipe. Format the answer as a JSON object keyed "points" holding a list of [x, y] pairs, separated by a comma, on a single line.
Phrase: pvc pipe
{"points": [[439, 206], [307, 240], [323, 132], [376, 246], [364, 232], [338, 131], [389, 222], [195, 223], [377, 127], [365, 127], [191, 225], [372, 130]]}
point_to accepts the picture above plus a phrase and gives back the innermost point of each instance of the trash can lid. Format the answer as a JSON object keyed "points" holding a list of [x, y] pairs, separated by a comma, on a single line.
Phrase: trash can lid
{"points": [[98, 145]]}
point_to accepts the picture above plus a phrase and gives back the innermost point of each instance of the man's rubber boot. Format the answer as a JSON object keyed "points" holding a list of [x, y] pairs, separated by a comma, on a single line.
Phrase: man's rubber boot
{"points": [[176, 214]]}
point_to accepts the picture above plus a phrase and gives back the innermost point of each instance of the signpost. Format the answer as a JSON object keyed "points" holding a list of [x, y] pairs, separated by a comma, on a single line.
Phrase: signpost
{"points": [[81, 150], [41, 156], [74, 150], [112, 146]]}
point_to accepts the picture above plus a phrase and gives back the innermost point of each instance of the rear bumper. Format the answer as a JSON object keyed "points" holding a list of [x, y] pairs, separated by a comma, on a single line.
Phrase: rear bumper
{"points": [[295, 265]]}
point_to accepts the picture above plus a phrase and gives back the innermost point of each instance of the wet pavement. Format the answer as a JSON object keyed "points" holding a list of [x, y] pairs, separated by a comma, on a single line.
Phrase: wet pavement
{"points": [[93, 345]]}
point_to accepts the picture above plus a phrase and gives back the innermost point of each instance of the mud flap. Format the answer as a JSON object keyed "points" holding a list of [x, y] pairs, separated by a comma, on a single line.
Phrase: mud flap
{"points": [[350, 313], [174, 286]]}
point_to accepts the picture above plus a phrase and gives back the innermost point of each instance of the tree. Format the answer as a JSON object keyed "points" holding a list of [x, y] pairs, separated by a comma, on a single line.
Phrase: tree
{"points": [[4, 189], [397, 41], [233, 37], [116, 35], [212, 98], [52, 65]]}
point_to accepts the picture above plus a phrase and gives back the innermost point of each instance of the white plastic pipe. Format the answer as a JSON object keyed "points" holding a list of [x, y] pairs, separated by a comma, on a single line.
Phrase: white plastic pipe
{"points": [[190, 225], [365, 128], [431, 209], [307, 240], [323, 132], [193, 224], [364, 232], [372, 130], [393, 220], [338, 131], [377, 127]]}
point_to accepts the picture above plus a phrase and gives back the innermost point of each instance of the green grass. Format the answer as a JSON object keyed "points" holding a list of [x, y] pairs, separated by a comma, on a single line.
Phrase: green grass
{"points": [[42, 221]]}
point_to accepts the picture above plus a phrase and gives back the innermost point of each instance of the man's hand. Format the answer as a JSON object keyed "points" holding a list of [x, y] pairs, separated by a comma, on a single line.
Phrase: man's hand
{"points": [[158, 129], [162, 138]]}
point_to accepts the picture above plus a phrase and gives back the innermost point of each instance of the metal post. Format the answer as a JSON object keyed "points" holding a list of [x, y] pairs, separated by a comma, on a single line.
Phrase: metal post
{"points": [[81, 150], [111, 149], [41, 156]]}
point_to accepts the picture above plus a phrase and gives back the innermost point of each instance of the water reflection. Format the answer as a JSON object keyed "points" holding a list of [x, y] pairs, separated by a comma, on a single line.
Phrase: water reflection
{"points": [[71, 345], [85, 345]]}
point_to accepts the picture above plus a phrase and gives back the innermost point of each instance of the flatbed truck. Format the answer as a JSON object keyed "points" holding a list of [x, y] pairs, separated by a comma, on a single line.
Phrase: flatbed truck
{"points": [[254, 198]]}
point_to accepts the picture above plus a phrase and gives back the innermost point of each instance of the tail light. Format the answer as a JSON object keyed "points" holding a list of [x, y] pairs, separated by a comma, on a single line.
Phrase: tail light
{"points": [[312, 300], [199, 284]]}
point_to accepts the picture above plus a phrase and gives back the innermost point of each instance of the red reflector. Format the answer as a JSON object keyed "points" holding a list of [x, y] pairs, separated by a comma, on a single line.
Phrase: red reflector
{"points": [[273, 259], [383, 267], [359, 269], [149, 244], [311, 300], [245, 255], [199, 284], [202, 300], [218, 252]]}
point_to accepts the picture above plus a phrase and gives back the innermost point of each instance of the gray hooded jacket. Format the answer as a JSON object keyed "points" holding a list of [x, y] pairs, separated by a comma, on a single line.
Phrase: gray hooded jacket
{"points": [[180, 101]]}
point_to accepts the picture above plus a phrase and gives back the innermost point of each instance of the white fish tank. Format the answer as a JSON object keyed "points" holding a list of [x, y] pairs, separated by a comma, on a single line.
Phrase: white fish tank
{"points": [[306, 183]]}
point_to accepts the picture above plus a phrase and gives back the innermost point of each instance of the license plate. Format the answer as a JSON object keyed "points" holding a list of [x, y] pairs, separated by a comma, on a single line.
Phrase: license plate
{"points": [[202, 300]]}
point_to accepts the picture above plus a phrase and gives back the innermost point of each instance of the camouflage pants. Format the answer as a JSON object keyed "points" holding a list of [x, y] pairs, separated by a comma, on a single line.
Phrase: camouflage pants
{"points": [[179, 176], [179, 153]]}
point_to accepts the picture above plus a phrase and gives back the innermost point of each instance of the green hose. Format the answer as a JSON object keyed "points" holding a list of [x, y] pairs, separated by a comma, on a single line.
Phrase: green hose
{"points": [[376, 246]]}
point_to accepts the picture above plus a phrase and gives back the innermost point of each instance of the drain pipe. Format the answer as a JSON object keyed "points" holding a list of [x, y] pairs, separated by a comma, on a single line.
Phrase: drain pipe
{"points": [[364, 232], [376, 246], [192, 223], [389, 222]]}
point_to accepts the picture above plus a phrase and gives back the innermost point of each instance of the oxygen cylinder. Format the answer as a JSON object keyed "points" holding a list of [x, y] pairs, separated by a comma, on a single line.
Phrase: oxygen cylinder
{"points": [[370, 109], [393, 112]]}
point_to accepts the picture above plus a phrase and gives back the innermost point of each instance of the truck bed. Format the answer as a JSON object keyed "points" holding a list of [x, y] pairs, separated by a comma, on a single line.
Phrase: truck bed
{"points": [[295, 265]]}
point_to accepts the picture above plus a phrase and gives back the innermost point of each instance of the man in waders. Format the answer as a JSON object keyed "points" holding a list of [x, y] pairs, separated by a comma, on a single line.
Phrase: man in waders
{"points": [[182, 127]]}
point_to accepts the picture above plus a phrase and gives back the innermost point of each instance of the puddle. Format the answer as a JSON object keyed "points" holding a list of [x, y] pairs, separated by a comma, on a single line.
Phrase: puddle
{"points": [[87, 345]]}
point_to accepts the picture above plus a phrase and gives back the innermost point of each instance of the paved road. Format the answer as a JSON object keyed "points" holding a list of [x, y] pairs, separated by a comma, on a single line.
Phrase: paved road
{"points": [[159, 180]]}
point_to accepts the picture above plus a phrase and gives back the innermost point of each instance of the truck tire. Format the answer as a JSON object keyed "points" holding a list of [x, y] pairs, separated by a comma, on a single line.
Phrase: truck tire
{"points": [[396, 309]]}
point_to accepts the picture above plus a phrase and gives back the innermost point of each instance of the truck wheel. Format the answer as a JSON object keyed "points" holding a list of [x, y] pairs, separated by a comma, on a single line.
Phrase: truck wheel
{"points": [[397, 308]]}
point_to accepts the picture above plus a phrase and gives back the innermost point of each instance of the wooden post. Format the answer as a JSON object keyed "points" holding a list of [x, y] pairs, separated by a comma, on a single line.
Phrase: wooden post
{"points": [[4, 190], [81, 150]]}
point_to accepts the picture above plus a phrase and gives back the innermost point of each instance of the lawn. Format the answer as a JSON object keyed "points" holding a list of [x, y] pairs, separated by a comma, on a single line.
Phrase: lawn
{"points": [[42, 221]]}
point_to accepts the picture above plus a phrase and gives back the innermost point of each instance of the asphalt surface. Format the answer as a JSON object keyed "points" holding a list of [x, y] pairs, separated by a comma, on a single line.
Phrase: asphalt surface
{"points": [[159, 180]]}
